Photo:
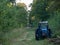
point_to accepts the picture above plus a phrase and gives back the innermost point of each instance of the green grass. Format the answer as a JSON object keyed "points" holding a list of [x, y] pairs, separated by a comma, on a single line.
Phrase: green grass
{"points": [[23, 36]]}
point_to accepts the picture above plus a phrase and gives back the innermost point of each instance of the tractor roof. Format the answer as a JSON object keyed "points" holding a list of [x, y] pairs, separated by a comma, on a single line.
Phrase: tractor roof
{"points": [[43, 22]]}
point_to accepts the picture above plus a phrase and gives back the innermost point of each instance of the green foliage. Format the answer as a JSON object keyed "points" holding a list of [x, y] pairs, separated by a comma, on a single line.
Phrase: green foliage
{"points": [[44, 9], [11, 17], [39, 11], [54, 23]]}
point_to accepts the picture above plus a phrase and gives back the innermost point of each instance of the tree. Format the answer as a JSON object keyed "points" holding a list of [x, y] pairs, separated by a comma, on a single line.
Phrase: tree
{"points": [[39, 10], [11, 18], [44, 9]]}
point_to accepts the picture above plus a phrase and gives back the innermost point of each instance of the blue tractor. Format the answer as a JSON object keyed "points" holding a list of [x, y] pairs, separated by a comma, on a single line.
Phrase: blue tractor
{"points": [[43, 30]]}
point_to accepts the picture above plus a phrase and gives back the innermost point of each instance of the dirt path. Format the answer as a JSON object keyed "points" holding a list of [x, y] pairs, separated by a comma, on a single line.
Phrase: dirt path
{"points": [[24, 37]]}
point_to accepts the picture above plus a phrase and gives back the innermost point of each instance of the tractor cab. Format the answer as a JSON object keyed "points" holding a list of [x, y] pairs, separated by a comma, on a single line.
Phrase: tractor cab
{"points": [[43, 30], [43, 25]]}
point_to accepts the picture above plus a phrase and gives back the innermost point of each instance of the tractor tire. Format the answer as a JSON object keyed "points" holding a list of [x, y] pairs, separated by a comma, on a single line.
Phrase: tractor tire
{"points": [[37, 37]]}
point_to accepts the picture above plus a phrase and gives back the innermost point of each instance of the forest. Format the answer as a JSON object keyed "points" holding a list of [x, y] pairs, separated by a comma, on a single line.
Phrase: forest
{"points": [[14, 21]]}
